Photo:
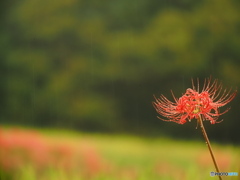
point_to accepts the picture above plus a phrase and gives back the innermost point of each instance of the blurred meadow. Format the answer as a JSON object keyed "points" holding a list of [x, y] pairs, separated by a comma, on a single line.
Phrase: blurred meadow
{"points": [[77, 79], [63, 155]]}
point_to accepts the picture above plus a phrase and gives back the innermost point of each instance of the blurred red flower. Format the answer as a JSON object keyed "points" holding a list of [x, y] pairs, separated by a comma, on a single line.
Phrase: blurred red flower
{"points": [[194, 103]]}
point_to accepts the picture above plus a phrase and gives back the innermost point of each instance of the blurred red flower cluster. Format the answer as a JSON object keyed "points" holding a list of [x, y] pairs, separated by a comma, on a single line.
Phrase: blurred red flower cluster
{"points": [[19, 148]]}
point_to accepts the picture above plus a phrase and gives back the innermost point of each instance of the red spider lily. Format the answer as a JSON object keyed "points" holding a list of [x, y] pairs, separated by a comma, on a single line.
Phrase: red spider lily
{"points": [[194, 103]]}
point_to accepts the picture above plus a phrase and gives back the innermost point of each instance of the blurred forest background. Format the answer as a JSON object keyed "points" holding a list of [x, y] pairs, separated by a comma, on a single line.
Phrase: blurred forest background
{"points": [[94, 66]]}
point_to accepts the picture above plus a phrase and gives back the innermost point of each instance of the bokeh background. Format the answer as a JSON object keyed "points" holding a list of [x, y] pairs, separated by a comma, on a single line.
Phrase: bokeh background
{"points": [[94, 66]]}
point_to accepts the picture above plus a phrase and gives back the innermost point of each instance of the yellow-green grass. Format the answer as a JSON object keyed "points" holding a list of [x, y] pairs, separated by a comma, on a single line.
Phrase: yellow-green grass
{"points": [[126, 157]]}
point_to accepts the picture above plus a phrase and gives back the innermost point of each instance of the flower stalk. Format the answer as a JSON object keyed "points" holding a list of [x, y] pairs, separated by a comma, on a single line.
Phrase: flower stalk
{"points": [[208, 145]]}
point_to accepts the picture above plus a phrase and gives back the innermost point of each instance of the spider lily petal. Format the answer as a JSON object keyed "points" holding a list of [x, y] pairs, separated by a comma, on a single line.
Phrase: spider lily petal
{"points": [[194, 103]]}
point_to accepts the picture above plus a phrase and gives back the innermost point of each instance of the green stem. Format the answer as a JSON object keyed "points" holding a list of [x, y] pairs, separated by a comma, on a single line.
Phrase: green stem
{"points": [[208, 144]]}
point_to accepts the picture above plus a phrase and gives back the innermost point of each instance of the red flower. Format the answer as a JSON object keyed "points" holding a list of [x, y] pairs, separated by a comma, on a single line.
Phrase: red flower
{"points": [[195, 103]]}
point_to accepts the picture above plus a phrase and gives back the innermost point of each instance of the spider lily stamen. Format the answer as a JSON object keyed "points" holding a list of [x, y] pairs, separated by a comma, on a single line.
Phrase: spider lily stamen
{"points": [[195, 102]]}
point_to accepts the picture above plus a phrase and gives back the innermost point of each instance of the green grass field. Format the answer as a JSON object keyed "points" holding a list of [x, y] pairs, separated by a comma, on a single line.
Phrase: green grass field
{"points": [[63, 155]]}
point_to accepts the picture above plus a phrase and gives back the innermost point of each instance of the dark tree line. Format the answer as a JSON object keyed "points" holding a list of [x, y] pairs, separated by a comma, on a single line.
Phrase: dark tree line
{"points": [[95, 65]]}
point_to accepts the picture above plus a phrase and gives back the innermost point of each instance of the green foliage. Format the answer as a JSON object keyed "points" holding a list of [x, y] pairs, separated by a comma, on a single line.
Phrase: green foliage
{"points": [[95, 65]]}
